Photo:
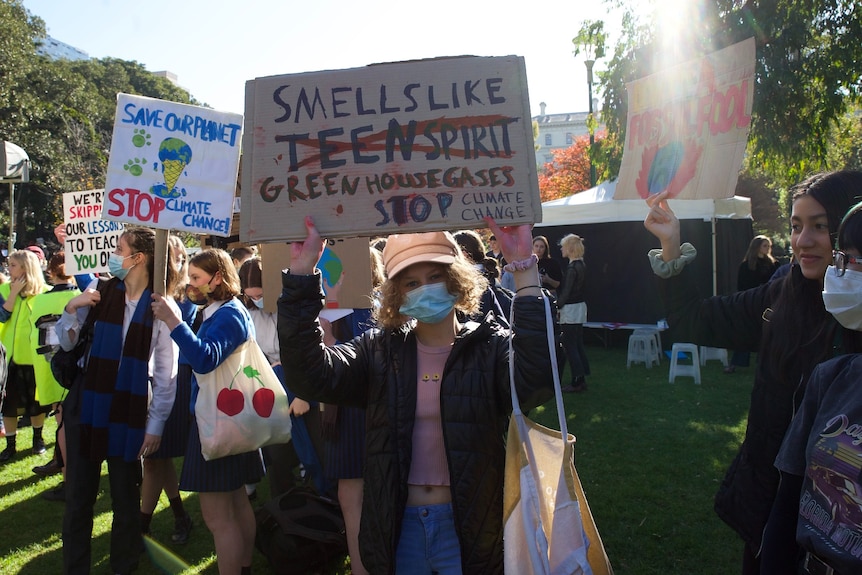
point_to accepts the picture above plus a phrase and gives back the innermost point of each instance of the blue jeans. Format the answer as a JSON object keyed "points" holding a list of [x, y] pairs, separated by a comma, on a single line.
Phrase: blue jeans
{"points": [[428, 543]]}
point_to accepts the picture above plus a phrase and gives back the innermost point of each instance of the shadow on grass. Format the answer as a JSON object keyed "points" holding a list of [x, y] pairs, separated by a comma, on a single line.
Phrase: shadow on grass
{"points": [[651, 456]]}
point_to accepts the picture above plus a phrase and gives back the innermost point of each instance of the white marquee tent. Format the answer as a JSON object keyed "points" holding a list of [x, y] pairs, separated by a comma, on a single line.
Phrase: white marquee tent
{"points": [[620, 286]]}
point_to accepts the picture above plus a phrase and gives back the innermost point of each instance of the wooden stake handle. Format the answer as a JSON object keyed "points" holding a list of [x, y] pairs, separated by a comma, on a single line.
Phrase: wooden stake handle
{"points": [[160, 259]]}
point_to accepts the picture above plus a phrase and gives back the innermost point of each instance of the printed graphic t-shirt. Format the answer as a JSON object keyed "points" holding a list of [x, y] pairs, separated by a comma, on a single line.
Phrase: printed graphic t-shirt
{"points": [[824, 446]]}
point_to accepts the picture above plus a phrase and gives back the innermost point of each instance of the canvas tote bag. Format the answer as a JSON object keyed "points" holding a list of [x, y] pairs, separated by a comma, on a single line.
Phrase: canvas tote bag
{"points": [[548, 527], [241, 405]]}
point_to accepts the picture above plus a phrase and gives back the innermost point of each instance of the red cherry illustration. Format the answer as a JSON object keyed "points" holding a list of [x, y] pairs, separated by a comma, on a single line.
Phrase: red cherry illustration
{"points": [[263, 400], [230, 401]]}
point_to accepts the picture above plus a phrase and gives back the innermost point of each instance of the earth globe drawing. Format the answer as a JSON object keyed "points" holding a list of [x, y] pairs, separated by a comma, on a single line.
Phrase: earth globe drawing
{"points": [[330, 267], [664, 167]]}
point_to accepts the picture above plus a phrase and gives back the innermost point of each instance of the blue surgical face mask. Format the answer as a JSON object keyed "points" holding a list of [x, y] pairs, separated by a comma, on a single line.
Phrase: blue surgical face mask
{"points": [[429, 303], [115, 266], [258, 302]]}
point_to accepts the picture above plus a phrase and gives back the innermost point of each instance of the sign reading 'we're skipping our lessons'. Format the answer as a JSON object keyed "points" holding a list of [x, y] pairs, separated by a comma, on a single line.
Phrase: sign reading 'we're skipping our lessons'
{"points": [[90, 240], [403, 147], [172, 166]]}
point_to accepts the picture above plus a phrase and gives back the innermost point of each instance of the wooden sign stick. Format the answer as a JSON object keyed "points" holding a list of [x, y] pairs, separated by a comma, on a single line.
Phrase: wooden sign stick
{"points": [[160, 259]]}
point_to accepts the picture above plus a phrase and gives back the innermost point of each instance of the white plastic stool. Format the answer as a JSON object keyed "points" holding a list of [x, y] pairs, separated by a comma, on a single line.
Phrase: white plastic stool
{"points": [[655, 334], [707, 353], [688, 370], [642, 349]]}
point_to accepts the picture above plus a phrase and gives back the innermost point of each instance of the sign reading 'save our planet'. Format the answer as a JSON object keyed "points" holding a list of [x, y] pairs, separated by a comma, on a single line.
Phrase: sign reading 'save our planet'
{"points": [[172, 166], [90, 240], [409, 146]]}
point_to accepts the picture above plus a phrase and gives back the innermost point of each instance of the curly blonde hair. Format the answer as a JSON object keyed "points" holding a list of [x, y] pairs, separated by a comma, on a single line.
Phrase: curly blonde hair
{"points": [[462, 280], [34, 280]]}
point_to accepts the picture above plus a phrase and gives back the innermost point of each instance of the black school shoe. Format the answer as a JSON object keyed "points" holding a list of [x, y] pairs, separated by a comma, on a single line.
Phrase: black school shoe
{"points": [[56, 494], [182, 529], [50, 468], [7, 454]]}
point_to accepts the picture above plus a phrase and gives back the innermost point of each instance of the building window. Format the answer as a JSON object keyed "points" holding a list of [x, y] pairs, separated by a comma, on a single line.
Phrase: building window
{"points": [[548, 141], [569, 140]]}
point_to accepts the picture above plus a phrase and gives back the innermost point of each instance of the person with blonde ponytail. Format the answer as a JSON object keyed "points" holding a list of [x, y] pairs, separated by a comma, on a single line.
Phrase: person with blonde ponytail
{"points": [[25, 283]]}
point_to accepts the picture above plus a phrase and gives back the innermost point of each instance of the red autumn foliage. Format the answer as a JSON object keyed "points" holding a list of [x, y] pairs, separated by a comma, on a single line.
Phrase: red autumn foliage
{"points": [[568, 173]]}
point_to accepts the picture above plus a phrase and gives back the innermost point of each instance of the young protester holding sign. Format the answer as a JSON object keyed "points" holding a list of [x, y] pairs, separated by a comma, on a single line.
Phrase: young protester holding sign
{"points": [[784, 320], [107, 413], [436, 394]]}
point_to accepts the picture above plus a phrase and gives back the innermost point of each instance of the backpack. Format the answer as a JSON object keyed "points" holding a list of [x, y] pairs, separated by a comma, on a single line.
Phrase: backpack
{"points": [[300, 532]]}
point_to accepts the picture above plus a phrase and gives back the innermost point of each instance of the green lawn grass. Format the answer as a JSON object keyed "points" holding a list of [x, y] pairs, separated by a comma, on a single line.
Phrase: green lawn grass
{"points": [[650, 454]]}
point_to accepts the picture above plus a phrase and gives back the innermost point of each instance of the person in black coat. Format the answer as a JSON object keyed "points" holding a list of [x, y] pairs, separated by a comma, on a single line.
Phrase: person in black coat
{"points": [[784, 320], [436, 393], [756, 268], [550, 272]]}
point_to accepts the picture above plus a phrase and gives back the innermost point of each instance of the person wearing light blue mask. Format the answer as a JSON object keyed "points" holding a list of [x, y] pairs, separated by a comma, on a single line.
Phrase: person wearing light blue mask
{"points": [[118, 410], [435, 389]]}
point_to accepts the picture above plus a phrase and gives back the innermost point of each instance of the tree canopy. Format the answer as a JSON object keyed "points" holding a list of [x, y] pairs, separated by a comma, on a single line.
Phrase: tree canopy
{"points": [[62, 113], [808, 74]]}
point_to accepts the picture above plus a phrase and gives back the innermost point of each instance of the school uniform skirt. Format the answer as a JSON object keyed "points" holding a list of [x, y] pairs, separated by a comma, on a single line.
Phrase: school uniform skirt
{"points": [[222, 474], [175, 437], [345, 455]]}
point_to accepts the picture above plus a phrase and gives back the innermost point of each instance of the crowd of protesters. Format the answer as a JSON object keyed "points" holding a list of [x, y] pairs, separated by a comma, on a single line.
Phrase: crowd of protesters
{"points": [[399, 409]]}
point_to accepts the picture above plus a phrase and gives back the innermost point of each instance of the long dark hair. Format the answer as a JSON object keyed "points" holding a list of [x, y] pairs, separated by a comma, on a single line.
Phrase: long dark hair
{"points": [[473, 248], [799, 333], [753, 253]]}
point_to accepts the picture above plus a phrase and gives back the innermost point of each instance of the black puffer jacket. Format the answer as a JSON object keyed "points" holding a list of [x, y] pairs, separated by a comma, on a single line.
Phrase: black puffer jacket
{"points": [[377, 370]]}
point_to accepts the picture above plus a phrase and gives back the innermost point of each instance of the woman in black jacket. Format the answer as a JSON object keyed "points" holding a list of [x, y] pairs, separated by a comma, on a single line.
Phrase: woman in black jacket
{"points": [[756, 268], [784, 321], [436, 394]]}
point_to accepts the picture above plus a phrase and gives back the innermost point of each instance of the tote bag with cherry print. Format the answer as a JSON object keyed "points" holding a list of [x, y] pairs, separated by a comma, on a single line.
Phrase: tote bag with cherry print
{"points": [[241, 405]]}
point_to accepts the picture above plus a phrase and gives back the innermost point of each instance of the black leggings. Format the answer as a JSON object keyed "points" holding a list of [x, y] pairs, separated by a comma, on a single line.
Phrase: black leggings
{"points": [[572, 342]]}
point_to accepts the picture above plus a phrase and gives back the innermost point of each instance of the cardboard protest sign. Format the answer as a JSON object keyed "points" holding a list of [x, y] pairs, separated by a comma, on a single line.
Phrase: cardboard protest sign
{"points": [[172, 166], [345, 266], [688, 127], [402, 147], [90, 240]]}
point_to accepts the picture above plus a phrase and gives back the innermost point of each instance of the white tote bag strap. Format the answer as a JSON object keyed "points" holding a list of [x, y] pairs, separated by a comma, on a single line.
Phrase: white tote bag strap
{"points": [[552, 351]]}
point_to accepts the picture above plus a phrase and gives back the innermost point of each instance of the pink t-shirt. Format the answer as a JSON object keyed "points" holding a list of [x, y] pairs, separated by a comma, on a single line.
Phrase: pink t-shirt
{"points": [[429, 465]]}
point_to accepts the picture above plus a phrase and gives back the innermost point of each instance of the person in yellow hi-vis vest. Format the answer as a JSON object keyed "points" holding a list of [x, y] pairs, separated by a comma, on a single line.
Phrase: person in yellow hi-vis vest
{"points": [[25, 283], [46, 310]]}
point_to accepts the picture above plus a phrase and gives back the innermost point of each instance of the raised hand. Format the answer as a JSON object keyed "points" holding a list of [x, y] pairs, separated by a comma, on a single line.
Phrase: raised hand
{"points": [[663, 224], [516, 242], [305, 255]]}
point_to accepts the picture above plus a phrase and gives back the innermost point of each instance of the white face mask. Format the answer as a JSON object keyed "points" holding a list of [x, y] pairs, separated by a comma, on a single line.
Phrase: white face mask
{"points": [[842, 297]]}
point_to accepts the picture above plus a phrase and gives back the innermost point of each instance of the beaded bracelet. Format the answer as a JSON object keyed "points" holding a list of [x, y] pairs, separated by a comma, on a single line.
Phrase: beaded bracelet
{"points": [[522, 265], [527, 287]]}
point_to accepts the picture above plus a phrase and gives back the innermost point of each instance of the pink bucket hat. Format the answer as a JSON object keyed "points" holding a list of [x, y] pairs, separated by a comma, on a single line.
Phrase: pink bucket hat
{"points": [[403, 250]]}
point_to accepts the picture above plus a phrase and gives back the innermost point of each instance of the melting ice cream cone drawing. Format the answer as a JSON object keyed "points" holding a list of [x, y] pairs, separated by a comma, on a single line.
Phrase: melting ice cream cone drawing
{"points": [[175, 155]]}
